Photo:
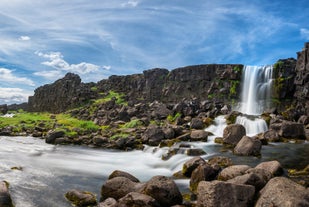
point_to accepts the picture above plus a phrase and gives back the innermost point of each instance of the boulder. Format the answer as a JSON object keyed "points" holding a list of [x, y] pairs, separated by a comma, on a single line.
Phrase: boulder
{"points": [[81, 198], [195, 152], [203, 172], [271, 136], [118, 187], [283, 192], [197, 123], [292, 130], [5, 197], [169, 133], [199, 135], [52, 136], [119, 173], [273, 167], [137, 200], [233, 171], [191, 165], [249, 179], [264, 175], [303, 120], [233, 133], [109, 202], [153, 136], [248, 146], [164, 190], [223, 194], [221, 161]]}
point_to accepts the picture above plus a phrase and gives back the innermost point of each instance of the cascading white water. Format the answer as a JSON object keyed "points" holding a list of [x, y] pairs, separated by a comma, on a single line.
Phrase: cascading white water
{"points": [[256, 91]]}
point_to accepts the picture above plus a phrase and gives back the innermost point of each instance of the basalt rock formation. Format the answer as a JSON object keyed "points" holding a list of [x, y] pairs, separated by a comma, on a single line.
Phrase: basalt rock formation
{"points": [[219, 83]]}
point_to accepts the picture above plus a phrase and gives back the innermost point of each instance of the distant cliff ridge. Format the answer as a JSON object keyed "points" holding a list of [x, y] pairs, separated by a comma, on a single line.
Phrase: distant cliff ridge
{"points": [[212, 82]]}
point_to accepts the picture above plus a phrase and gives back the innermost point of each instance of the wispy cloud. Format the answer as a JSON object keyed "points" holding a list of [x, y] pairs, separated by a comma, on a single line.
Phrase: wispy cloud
{"points": [[56, 61], [24, 38], [14, 95], [304, 33], [7, 76]]}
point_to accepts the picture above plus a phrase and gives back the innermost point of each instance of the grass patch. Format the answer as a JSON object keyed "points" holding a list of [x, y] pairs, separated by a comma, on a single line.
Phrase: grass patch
{"points": [[112, 95], [120, 135], [170, 118], [72, 123], [133, 124]]}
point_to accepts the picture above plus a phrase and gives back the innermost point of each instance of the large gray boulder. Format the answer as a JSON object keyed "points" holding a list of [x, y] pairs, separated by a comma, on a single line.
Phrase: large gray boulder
{"points": [[233, 171], [164, 190], [283, 192], [273, 167], [292, 130], [119, 173], [233, 133], [252, 178], [153, 136], [191, 165], [203, 172], [199, 135], [223, 194], [248, 146], [118, 187]]}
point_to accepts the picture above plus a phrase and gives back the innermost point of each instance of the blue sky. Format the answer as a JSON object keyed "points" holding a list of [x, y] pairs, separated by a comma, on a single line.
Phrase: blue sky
{"points": [[40, 41]]}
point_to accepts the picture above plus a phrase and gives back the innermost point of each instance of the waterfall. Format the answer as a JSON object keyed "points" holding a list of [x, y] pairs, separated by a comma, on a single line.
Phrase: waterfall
{"points": [[255, 97]]}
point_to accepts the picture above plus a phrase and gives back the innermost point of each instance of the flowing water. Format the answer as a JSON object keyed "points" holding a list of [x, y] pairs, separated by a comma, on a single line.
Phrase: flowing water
{"points": [[255, 98]]}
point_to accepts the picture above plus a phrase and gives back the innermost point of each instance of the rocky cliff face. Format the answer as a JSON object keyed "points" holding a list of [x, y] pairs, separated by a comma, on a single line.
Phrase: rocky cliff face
{"points": [[302, 81], [220, 82], [63, 94]]}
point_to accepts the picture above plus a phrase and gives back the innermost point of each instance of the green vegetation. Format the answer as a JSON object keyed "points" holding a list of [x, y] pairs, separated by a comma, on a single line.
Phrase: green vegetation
{"points": [[236, 69], [234, 86], [211, 96], [94, 88], [112, 95], [133, 124], [170, 118], [120, 135]]}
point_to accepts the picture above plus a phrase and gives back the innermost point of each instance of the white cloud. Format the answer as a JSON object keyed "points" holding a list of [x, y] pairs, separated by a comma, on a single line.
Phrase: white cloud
{"points": [[14, 95], [6, 75], [56, 61], [130, 3], [304, 33], [106, 67], [51, 75], [24, 38]]}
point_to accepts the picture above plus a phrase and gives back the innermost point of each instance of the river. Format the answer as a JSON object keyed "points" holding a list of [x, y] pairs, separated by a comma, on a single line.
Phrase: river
{"points": [[47, 172]]}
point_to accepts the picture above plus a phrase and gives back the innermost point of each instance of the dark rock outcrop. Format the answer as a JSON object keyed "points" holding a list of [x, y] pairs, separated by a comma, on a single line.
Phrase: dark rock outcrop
{"points": [[5, 197], [61, 95], [233, 133]]}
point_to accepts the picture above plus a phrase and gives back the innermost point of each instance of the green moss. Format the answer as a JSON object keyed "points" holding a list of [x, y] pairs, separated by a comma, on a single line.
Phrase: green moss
{"points": [[233, 87], [236, 69], [211, 96], [170, 118], [120, 135], [94, 88], [112, 95], [133, 124]]}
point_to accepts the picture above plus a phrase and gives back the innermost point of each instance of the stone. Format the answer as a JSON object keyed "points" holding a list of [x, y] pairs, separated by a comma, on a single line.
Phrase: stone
{"points": [[273, 167], [153, 136], [195, 152], [52, 136], [199, 135], [164, 190], [5, 197], [81, 198], [249, 179], [119, 173], [248, 146], [197, 123], [137, 200], [233, 133], [109, 202], [271, 136], [283, 192], [232, 172], [303, 120], [118, 187], [191, 165], [223, 194], [203, 172], [292, 130], [221, 161]]}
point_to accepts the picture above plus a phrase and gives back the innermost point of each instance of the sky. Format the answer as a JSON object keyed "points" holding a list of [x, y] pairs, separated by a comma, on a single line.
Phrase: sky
{"points": [[41, 41]]}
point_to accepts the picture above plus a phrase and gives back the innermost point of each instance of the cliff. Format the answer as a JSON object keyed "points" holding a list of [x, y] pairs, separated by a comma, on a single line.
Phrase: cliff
{"points": [[218, 82]]}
